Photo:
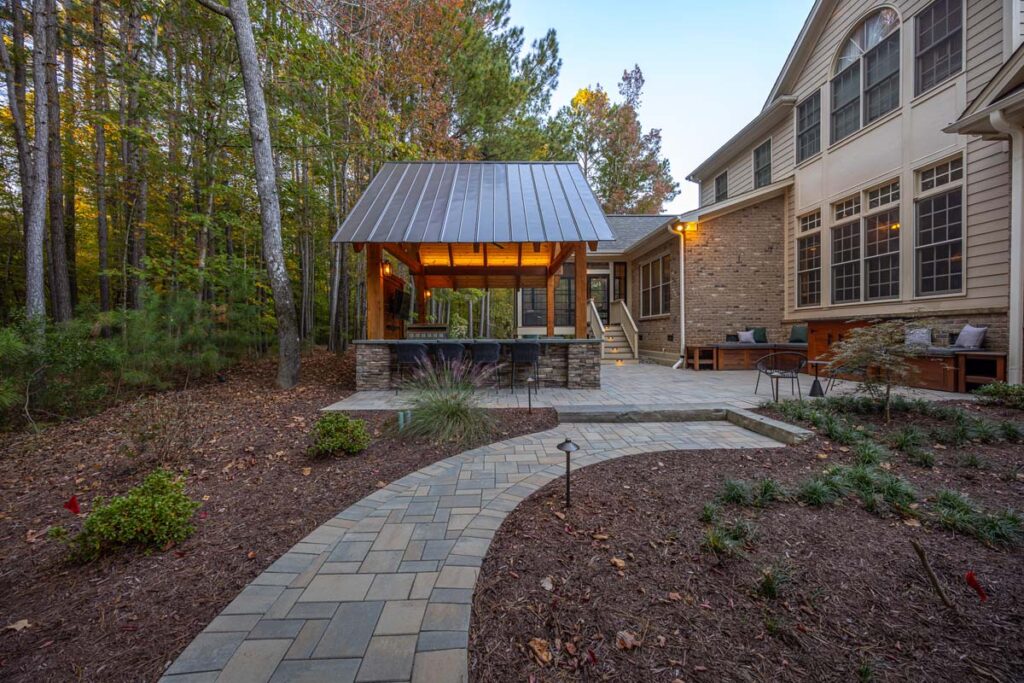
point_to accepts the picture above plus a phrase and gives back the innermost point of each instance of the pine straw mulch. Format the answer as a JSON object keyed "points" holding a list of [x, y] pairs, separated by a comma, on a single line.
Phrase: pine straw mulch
{"points": [[856, 603], [242, 443]]}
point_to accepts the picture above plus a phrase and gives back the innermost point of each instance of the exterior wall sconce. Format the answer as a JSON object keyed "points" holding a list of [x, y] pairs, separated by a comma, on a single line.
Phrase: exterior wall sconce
{"points": [[681, 227], [385, 268], [567, 447], [427, 294]]}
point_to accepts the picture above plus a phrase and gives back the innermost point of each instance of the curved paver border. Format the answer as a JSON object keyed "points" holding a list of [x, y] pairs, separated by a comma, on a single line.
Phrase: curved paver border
{"points": [[383, 591]]}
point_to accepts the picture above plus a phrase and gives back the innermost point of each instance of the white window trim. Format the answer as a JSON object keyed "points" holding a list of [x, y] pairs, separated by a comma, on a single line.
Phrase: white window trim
{"points": [[960, 184], [640, 287], [771, 163]]}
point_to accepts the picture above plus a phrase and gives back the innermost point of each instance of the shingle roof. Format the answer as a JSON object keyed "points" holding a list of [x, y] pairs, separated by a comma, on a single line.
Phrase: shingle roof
{"points": [[469, 202], [630, 229]]}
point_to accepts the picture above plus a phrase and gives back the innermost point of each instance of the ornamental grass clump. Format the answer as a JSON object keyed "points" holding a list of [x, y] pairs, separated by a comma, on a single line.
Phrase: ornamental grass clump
{"points": [[445, 405], [151, 516], [958, 513], [339, 433]]}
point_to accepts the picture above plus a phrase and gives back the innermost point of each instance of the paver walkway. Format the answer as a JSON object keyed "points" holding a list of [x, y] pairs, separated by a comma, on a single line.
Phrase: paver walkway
{"points": [[637, 385], [383, 591]]}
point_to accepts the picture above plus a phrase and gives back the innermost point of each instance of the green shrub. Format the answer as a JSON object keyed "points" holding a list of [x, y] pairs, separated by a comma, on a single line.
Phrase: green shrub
{"points": [[971, 460], [445, 406], [766, 491], [1000, 393], [921, 457], [870, 453], [709, 513], [149, 516], [1011, 431], [984, 431], [337, 432]]}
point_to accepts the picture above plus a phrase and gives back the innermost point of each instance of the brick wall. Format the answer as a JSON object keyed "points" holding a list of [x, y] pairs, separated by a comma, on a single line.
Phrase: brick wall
{"points": [[734, 274], [658, 334]]}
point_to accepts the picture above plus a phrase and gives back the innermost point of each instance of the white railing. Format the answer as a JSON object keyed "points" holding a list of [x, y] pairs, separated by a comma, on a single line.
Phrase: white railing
{"points": [[620, 314], [594, 321]]}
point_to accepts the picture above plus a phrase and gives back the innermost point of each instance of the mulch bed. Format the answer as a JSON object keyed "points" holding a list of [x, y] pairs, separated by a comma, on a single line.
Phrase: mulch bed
{"points": [[242, 443], [856, 605]]}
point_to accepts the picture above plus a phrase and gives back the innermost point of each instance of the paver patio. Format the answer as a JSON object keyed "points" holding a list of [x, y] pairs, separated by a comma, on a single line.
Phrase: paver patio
{"points": [[641, 384], [382, 592]]}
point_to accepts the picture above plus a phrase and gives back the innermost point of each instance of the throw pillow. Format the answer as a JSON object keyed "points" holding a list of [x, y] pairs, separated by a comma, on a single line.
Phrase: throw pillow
{"points": [[921, 336], [760, 334], [798, 335], [970, 337], [746, 337]]}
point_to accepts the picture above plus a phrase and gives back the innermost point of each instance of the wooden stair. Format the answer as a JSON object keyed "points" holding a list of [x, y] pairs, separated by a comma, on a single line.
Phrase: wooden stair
{"points": [[615, 347]]}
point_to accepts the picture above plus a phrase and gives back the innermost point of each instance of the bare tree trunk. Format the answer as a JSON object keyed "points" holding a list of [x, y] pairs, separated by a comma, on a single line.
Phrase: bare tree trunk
{"points": [[60, 287], [35, 296], [14, 71], [99, 107], [71, 162], [266, 186], [130, 150]]}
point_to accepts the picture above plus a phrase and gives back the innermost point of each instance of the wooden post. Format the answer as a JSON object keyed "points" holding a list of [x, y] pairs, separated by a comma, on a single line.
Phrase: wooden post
{"points": [[550, 300], [581, 290], [421, 299], [374, 293]]}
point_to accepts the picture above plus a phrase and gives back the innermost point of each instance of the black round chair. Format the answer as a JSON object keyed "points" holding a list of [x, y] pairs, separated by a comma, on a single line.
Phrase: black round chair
{"points": [[486, 356], [778, 366], [525, 353], [409, 356], [449, 353]]}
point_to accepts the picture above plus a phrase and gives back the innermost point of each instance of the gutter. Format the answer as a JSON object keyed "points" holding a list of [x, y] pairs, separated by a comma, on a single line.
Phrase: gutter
{"points": [[999, 122]]}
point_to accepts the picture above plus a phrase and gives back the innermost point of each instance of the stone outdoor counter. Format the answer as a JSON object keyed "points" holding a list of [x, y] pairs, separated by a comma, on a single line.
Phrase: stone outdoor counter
{"points": [[566, 363]]}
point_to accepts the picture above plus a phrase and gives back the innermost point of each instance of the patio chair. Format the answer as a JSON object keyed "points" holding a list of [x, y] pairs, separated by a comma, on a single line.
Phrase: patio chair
{"points": [[525, 353], [486, 355], [778, 366], [409, 356]]}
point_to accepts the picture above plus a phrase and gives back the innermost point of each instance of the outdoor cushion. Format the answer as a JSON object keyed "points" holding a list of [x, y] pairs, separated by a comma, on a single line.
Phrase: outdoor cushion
{"points": [[740, 345], [970, 337], [798, 335], [920, 335], [747, 337], [944, 351], [791, 346], [760, 334]]}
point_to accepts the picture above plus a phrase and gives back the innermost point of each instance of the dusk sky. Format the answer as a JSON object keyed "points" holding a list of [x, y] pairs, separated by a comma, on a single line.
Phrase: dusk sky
{"points": [[708, 65]]}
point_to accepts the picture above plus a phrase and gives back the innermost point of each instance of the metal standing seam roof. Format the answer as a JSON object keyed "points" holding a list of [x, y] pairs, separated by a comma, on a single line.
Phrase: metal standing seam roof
{"points": [[477, 201]]}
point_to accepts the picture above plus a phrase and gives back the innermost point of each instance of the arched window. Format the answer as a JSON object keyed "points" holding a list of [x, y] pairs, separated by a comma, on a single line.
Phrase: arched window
{"points": [[866, 85]]}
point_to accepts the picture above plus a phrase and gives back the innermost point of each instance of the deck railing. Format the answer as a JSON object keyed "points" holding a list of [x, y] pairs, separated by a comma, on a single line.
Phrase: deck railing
{"points": [[619, 314], [594, 324]]}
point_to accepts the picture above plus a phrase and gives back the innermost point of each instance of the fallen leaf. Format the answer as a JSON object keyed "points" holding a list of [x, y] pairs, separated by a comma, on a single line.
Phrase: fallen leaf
{"points": [[910, 521], [571, 649], [626, 640], [18, 626], [675, 597], [560, 515], [822, 456], [540, 651], [547, 584], [618, 563], [599, 537], [381, 484], [306, 471], [662, 640], [251, 554]]}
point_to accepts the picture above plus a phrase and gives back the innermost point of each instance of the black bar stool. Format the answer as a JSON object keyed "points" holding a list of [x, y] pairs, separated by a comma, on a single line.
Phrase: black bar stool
{"points": [[449, 353], [486, 355], [409, 356], [525, 353]]}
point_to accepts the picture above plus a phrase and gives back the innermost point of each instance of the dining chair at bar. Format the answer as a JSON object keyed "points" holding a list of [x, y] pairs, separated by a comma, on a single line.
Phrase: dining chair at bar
{"points": [[449, 353], [409, 357], [525, 353], [486, 356]]}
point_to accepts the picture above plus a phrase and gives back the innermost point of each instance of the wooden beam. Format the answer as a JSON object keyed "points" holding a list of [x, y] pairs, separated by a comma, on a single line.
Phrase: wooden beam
{"points": [[421, 298], [581, 290], [400, 253], [357, 247], [592, 245], [556, 263], [486, 279], [482, 271], [550, 301], [519, 264], [374, 293]]}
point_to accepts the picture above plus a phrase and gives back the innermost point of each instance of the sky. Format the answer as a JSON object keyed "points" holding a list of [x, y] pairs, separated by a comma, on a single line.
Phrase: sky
{"points": [[708, 64]]}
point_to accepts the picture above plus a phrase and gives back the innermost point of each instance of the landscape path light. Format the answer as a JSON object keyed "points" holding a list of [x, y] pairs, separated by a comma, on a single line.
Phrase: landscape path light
{"points": [[567, 447]]}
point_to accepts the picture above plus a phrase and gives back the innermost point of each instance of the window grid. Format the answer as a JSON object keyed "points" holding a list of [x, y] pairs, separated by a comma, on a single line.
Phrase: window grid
{"points": [[846, 263], [722, 187], [882, 255], [942, 174], [809, 270], [846, 208], [811, 221], [655, 287], [763, 165], [939, 49], [808, 127], [846, 102], [882, 78], [940, 243], [886, 194]]}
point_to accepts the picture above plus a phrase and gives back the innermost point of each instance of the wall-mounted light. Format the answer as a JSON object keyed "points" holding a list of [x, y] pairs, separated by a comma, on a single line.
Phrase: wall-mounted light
{"points": [[427, 294], [385, 268], [680, 227]]}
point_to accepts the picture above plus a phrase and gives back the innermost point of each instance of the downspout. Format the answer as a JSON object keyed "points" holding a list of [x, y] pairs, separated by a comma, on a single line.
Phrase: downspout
{"points": [[682, 295], [1016, 322]]}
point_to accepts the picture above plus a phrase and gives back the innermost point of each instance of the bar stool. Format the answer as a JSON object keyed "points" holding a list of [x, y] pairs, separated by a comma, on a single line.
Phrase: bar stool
{"points": [[486, 355], [525, 353], [409, 356], [449, 353]]}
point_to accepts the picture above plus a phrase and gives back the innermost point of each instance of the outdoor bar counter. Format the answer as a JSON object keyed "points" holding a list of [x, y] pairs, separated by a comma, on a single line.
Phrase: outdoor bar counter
{"points": [[566, 363]]}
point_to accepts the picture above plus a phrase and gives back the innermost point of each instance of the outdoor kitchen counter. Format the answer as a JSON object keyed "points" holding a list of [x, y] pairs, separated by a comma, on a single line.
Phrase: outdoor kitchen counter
{"points": [[568, 363]]}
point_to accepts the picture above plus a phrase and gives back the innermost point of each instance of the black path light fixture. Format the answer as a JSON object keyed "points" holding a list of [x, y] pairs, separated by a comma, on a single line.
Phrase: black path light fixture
{"points": [[530, 381], [567, 447]]}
